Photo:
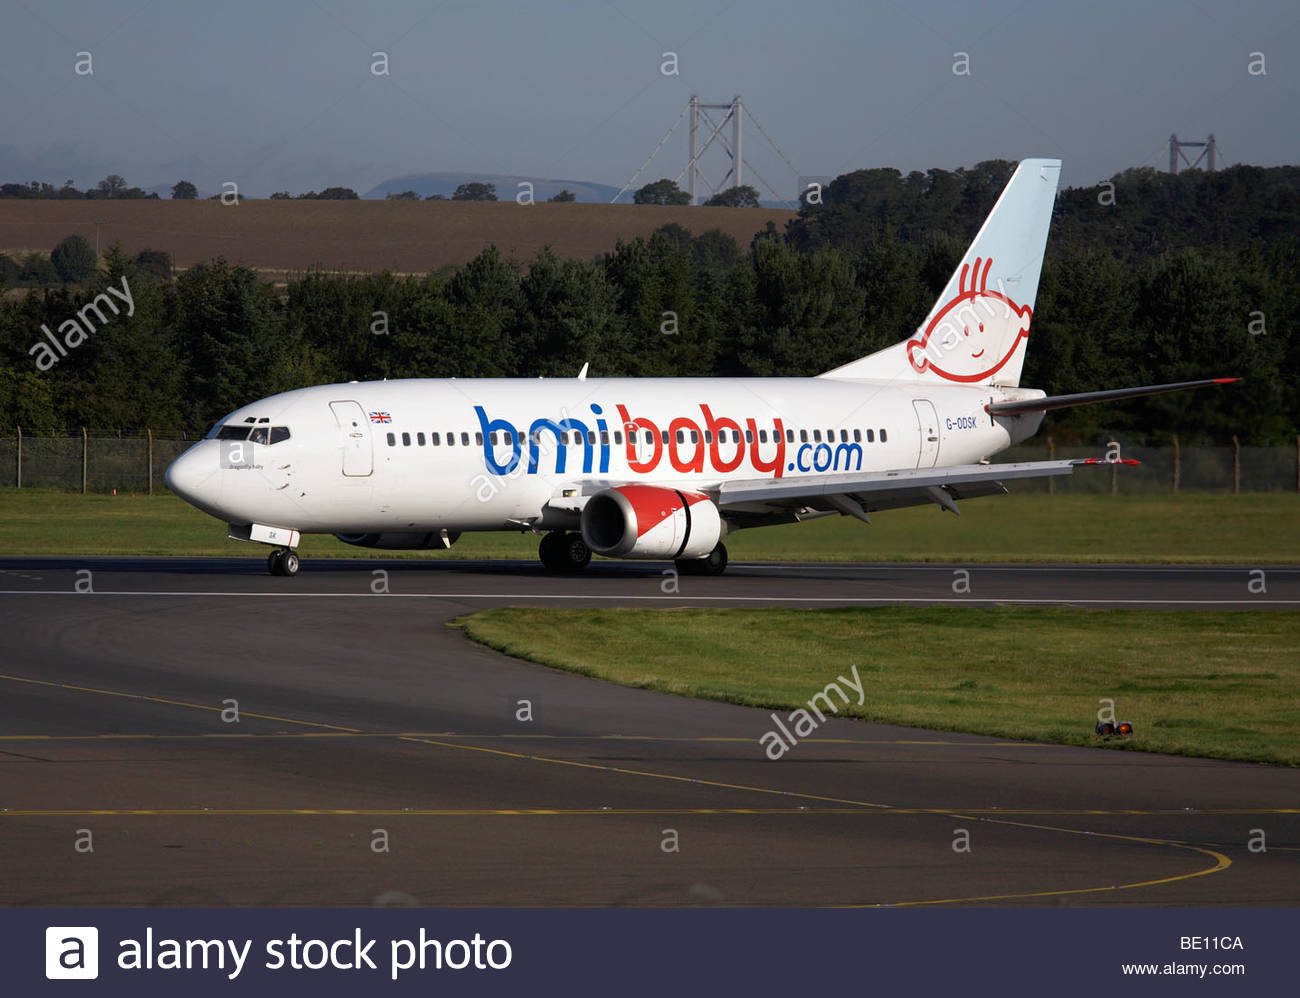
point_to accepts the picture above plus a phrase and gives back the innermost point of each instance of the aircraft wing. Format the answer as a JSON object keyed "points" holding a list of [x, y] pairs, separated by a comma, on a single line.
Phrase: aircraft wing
{"points": [[861, 493]]}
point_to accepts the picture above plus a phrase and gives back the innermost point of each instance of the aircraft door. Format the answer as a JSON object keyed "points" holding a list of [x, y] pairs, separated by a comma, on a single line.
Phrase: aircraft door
{"points": [[928, 423], [645, 448], [354, 431], [642, 449]]}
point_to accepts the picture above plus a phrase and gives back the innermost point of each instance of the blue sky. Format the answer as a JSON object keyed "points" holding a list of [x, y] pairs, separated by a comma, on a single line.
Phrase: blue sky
{"points": [[280, 95]]}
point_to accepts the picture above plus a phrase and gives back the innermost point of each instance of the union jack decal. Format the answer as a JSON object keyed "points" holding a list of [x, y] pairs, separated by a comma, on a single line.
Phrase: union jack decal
{"points": [[380, 417]]}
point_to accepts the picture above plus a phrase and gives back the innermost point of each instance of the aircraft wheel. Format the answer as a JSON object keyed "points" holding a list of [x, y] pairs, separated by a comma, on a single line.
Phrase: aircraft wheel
{"points": [[549, 551], [714, 563], [564, 553], [577, 555], [274, 562], [289, 563]]}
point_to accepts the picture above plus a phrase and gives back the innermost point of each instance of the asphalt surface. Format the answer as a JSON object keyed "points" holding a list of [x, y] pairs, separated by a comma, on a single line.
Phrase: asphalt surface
{"points": [[378, 756]]}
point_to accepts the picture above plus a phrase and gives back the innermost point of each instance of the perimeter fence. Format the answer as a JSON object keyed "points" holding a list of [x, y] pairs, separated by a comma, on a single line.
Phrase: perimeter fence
{"points": [[80, 462]]}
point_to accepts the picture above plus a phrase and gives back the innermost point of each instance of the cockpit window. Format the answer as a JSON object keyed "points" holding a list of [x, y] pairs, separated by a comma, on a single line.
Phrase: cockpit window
{"points": [[255, 434]]}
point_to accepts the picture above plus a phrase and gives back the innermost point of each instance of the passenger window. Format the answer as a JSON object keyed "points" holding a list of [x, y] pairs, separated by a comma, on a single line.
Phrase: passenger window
{"points": [[419, 439], [708, 436], [392, 440], [279, 433], [618, 437], [435, 439], [451, 440], [649, 437], [695, 436], [871, 436], [665, 436], [478, 439], [817, 435], [406, 440], [492, 439], [883, 437], [789, 436], [803, 436], [681, 436], [749, 436], [762, 436], [591, 437], [604, 436]]}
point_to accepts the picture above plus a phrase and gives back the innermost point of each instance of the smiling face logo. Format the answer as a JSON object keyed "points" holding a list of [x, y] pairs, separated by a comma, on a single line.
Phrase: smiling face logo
{"points": [[973, 335]]}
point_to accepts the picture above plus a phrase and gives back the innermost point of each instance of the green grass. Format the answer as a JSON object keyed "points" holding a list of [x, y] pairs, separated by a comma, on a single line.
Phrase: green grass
{"points": [[1252, 529], [1219, 684], [46, 521]]}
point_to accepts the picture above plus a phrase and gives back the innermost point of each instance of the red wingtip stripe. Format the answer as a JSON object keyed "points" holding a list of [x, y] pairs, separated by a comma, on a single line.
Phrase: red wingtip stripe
{"points": [[1226, 381]]}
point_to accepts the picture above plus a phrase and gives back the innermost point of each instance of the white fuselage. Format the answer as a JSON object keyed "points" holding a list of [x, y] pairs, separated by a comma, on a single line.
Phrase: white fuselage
{"points": [[491, 454]]}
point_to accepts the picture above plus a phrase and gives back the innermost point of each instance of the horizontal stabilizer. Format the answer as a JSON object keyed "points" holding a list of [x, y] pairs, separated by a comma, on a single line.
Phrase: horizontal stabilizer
{"points": [[1015, 408]]}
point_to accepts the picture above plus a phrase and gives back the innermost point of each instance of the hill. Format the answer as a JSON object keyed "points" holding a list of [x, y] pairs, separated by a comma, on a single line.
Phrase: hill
{"points": [[401, 236]]}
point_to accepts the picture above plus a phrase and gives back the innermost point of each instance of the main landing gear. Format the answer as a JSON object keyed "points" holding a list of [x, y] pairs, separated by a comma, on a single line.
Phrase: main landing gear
{"points": [[564, 552], [714, 563], [283, 561], [567, 553]]}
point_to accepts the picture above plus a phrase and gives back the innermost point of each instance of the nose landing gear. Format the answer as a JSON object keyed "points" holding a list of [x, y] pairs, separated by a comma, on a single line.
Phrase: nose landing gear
{"points": [[283, 561]]}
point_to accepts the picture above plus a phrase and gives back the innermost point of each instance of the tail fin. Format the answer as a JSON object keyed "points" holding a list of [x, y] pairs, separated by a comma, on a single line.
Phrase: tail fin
{"points": [[976, 331]]}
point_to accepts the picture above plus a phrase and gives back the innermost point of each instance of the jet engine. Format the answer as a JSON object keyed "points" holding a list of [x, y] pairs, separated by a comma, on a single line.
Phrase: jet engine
{"points": [[650, 521]]}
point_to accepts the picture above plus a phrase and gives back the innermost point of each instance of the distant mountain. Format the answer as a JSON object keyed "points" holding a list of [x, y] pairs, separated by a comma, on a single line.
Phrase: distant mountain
{"points": [[507, 187]]}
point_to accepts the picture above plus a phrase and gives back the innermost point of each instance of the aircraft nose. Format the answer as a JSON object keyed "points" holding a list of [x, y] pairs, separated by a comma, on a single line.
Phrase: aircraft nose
{"points": [[193, 476]]}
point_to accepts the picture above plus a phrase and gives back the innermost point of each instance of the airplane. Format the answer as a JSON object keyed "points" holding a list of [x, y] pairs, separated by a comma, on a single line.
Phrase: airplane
{"points": [[659, 468]]}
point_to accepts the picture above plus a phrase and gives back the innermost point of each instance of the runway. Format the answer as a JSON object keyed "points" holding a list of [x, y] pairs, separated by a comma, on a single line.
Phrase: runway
{"points": [[378, 756]]}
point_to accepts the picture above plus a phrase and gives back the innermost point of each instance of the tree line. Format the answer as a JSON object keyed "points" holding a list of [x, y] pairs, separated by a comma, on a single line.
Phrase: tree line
{"points": [[1127, 297], [115, 186]]}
